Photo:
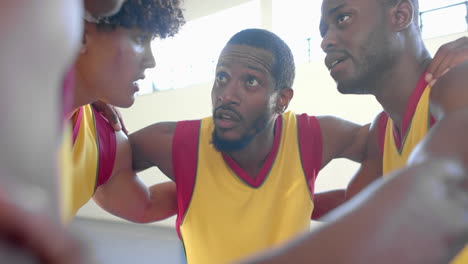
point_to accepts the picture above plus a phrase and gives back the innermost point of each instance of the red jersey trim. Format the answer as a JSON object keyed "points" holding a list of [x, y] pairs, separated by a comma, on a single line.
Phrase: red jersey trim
{"points": [[266, 168], [106, 147], [310, 147], [184, 161], [409, 113]]}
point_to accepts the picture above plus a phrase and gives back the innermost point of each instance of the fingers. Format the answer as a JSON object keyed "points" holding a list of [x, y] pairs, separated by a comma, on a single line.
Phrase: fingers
{"points": [[110, 113], [448, 56]]}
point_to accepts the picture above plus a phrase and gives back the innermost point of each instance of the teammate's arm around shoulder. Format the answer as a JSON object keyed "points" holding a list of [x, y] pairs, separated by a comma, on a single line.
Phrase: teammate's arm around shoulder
{"points": [[450, 93], [449, 104], [126, 196], [342, 139], [371, 164], [152, 146]]}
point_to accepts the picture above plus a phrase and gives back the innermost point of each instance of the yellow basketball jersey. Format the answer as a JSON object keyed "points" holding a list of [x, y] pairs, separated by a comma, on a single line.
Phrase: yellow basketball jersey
{"points": [[93, 155], [230, 215], [396, 154]]}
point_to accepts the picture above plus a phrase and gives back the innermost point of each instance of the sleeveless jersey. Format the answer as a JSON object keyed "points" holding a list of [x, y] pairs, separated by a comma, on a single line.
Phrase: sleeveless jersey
{"points": [[224, 214], [417, 121], [93, 155], [415, 125]]}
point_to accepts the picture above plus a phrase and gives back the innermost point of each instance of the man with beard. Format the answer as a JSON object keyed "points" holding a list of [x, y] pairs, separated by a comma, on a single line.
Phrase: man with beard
{"points": [[245, 176], [375, 47]]}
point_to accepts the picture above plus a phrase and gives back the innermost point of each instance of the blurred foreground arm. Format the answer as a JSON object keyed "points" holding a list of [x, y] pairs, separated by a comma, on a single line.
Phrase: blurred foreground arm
{"points": [[392, 221]]}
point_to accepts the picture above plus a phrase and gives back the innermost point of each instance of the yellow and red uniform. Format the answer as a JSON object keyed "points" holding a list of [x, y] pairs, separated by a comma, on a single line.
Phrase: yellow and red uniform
{"points": [[92, 155], [396, 147], [224, 214]]}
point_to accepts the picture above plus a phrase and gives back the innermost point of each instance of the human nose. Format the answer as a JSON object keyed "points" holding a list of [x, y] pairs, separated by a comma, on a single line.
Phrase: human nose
{"points": [[329, 40], [228, 94], [148, 60]]}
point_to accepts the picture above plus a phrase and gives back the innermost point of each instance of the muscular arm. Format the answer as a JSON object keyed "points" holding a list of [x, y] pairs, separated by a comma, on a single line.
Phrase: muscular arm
{"points": [[126, 196], [371, 165], [356, 234], [152, 146], [340, 139], [449, 104]]}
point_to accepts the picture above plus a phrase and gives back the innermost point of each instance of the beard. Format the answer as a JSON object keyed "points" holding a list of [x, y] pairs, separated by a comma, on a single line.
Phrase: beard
{"points": [[224, 145], [379, 57]]}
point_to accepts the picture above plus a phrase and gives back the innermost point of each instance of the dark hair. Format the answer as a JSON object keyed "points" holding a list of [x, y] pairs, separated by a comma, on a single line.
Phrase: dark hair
{"points": [[160, 18], [283, 62]]}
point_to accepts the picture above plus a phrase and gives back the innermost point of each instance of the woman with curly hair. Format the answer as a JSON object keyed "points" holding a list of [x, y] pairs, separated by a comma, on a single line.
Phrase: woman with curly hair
{"points": [[115, 53]]}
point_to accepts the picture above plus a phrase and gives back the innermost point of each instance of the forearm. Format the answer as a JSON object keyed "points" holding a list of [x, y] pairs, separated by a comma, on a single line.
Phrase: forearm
{"points": [[325, 202], [163, 202], [135, 202], [389, 222]]}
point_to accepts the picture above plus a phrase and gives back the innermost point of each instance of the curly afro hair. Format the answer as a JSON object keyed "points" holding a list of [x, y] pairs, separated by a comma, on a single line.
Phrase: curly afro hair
{"points": [[160, 18]]}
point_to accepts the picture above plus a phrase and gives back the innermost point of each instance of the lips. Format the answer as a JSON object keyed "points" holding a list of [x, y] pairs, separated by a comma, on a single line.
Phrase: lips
{"points": [[336, 63], [226, 118]]}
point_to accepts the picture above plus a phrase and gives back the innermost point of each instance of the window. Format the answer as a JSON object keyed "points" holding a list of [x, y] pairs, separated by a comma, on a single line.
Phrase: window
{"points": [[190, 56], [442, 17], [297, 23]]}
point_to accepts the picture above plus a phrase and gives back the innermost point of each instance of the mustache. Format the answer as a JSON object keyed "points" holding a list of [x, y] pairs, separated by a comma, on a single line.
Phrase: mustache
{"points": [[227, 107]]}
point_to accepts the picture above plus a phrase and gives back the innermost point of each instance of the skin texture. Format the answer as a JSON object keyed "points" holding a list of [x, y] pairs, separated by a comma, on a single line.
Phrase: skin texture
{"points": [[349, 30], [431, 190], [243, 93], [125, 54]]}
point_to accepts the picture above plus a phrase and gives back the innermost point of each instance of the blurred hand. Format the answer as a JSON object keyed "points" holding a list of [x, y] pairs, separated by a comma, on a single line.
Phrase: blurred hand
{"points": [[447, 56], [32, 238]]}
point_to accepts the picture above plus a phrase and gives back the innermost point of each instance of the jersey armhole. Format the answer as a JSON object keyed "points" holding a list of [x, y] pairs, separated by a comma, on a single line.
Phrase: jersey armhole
{"points": [[184, 162], [107, 147], [310, 145]]}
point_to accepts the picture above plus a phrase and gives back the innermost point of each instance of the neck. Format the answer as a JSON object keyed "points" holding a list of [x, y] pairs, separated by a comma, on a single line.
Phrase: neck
{"points": [[396, 85], [82, 95], [253, 156]]}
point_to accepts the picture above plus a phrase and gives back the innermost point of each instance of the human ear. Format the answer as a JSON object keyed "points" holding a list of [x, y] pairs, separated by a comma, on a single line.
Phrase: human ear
{"points": [[284, 97], [402, 15]]}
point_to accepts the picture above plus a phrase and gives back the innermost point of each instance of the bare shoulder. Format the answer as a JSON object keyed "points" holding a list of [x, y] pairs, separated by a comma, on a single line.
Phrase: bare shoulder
{"points": [[450, 93]]}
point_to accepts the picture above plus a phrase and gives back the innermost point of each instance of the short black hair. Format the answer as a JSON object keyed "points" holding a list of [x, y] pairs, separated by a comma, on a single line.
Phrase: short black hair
{"points": [[283, 70], [159, 18]]}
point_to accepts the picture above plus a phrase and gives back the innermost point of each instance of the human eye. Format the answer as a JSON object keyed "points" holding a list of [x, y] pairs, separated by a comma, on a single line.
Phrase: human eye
{"points": [[221, 76], [142, 39], [342, 18], [252, 81]]}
